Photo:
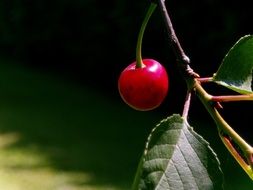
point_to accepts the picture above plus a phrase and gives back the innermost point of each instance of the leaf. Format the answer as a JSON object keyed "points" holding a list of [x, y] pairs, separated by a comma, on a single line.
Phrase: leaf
{"points": [[177, 158], [235, 71]]}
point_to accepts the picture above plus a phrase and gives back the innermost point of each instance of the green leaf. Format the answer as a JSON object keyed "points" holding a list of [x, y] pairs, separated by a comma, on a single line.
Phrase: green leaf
{"points": [[177, 158], [235, 71]]}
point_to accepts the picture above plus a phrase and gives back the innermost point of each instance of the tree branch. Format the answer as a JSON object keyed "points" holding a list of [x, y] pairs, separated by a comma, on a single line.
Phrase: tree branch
{"points": [[182, 59]]}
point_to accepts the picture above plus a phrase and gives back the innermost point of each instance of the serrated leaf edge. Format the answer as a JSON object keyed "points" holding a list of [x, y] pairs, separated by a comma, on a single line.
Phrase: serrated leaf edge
{"points": [[191, 130]]}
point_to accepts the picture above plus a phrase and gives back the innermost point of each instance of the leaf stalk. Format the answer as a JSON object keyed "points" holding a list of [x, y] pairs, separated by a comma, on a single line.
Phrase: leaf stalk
{"points": [[233, 98], [228, 136]]}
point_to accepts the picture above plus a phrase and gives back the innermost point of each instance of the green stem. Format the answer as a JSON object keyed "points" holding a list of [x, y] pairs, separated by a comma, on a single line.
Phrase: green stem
{"points": [[206, 99], [139, 63], [224, 128]]}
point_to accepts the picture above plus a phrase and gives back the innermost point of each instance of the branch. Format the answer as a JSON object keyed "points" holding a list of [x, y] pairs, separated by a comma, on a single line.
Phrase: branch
{"points": [[182, 58]]}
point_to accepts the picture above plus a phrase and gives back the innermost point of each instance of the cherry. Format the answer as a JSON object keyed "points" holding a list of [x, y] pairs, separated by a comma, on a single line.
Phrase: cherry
{"points": [[143, 85], [144, 88]]}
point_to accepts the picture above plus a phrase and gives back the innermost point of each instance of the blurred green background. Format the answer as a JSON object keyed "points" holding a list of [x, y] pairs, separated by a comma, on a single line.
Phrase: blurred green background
{"points": [[62, 123]]}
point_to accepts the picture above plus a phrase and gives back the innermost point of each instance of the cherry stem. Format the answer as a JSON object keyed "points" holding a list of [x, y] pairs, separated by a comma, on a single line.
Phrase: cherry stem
{"points": [[139, 63]]}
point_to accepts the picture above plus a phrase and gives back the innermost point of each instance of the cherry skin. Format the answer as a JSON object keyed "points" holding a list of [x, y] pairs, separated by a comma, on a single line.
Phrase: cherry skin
{"points": [[144, 88]]}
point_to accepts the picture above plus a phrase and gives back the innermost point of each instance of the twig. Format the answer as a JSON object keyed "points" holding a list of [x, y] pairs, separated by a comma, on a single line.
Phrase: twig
{"points": [[232, 98], [187, 105], [176, 46], [181, 57]]}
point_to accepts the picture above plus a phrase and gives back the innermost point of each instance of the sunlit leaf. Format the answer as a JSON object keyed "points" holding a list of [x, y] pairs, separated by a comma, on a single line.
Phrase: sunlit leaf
{"points": [[177, 158], [235, 71]]}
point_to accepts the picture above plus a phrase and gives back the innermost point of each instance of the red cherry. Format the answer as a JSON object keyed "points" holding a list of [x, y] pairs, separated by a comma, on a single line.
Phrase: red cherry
{"points": [[144, 88]]}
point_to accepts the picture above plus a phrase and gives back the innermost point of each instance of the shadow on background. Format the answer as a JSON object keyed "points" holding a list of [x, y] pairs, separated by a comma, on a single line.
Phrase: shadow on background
{"points": [[80, 130], [75, 128]]}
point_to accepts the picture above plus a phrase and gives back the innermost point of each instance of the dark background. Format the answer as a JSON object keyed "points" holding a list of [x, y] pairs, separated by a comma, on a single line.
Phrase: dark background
{"points": [[90, 42], [93, 40]]}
